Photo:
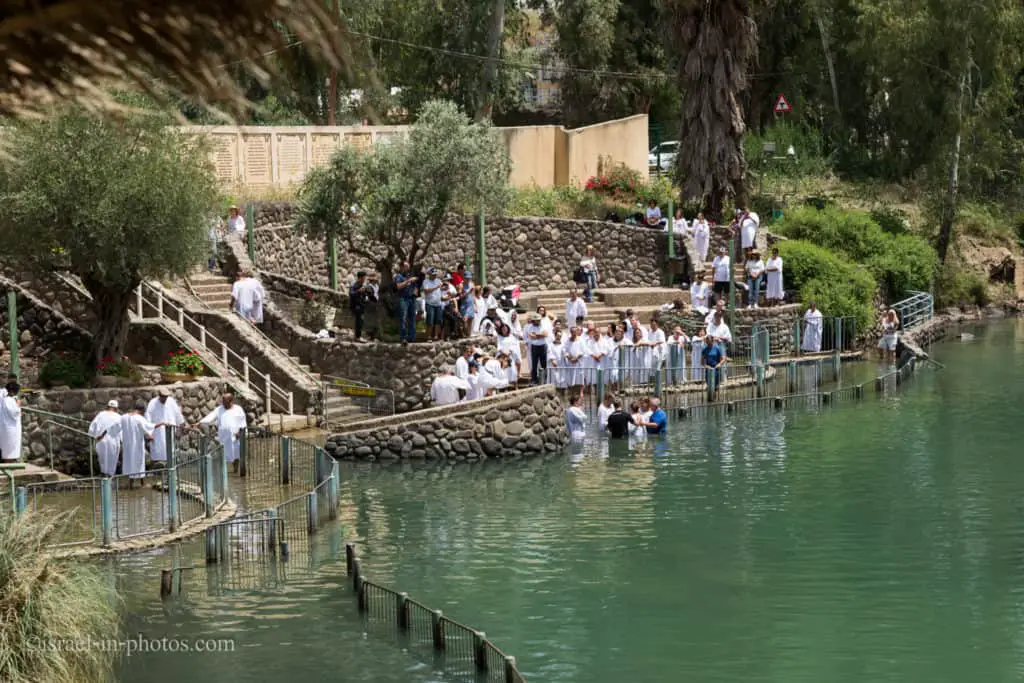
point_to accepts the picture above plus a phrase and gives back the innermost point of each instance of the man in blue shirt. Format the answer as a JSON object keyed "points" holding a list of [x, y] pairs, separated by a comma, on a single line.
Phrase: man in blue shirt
{"points": [[405, 283], [658, 422], [712, 359]]}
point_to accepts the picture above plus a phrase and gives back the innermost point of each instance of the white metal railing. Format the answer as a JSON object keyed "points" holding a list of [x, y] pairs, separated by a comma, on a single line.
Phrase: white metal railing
{"points": [[146, 295], [917, 309]]}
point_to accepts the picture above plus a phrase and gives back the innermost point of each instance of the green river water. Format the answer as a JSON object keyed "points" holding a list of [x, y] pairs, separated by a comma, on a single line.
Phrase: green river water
{"points": [[880, 541]]}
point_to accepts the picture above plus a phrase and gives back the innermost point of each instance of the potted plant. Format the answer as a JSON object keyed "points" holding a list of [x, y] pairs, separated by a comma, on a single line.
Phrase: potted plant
{"points": [[117, 373], [182, 365]]}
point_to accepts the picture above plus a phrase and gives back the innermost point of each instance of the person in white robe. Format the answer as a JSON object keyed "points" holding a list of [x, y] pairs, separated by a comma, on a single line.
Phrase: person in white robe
{"points": [[108, 447], [509, 344], [639, 355], [638, 430], [696, 354], [656, 339], [509, 368], [479, 310], [556, 349], [572, 358], [492, 366], [463, 362], [679, 224], [719, 330], [719, 308], [575, 309], [811, 342], [163, 409], [775, 293], [10, 424], [699, 294], [576, 419], [603, 411], [444, 390], [676, 359], [231, 423], [749, 223], [134, 430], [247, 297], [609, 361], [701, 237]]}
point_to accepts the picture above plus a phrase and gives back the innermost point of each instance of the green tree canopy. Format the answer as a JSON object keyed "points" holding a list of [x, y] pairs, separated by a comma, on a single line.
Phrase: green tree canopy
{"points": [[389, 203], [115, 201]]}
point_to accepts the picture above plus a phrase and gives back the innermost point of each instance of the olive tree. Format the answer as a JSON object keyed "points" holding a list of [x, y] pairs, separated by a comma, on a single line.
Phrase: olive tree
{"points": [[388, 204], [114, 201]]}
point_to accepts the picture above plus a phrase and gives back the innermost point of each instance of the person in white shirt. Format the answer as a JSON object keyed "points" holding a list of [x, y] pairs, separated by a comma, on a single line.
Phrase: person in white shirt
{"points": [[489, 299], [653, 215], [10, 423], [719, 308], [701, 237], [462, 364], [572, 358], [679, 225], [755, 269], [718, 330], [699, 293], [479, 309], [492, 366], [231, 422], [589, 266], [639, 357], [656, 338], [537, 338], [236, 224], [775, 292], [812, 330], [247, 297], [508, 344], [696, 355], [556, 348], [603, 411], [576, 418], [575, 310], [595, 358], [107, 447], [134, 430], [432, 293], [890, 335], [749, 223], [676, 345], [163, 409], [721, 269]]}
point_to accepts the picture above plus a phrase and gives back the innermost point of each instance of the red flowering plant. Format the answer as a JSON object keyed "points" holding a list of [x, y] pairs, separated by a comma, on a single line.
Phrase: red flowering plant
{"points": [[620, 183], [184, 362], [119, 367]]}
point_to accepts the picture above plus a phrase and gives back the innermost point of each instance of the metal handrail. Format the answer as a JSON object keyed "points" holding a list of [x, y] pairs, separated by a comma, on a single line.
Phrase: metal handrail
{"points": [[916, 309], [72, 418], [270, 390], [92, 450]]}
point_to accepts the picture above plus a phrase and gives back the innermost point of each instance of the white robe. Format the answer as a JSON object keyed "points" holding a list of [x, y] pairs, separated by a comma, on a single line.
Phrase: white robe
{"points": [[574, 310], [775, 290], [249, 296], [699, 293], [720, 331], [556, 373], [577, 420], [229, 424], [462, 368], [638, 362], [603, 412], [812, 332], [696, 362], [748, 230], [10, 428], [169, 412], [497, 373], [574, 371], [109, 447], [444, 391], [133, 430], [480, 312], [676, 358], [658, 349], [701, 238], [679, 226]]}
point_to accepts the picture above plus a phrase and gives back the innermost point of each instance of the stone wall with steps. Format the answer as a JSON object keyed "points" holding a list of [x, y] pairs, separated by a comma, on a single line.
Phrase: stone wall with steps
{"points": [[779, 322], [71, 450], [42, 328], [58, 293], [528, 422]]}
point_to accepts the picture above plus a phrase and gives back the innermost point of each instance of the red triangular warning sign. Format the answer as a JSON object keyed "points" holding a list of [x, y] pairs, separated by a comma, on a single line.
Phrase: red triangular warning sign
{"points": [[782, 105]]}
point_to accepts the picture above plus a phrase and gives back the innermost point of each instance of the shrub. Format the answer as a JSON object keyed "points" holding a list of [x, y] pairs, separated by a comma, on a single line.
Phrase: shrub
{"points": [[63, 371], [119, 368], [839, 287], [978, 220], [907, 263], [891, 220], [184, 362], [956, 288]]}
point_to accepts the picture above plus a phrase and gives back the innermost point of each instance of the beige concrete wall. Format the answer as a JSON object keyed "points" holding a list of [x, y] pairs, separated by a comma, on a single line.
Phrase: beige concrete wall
{"points": [[545, 156]]}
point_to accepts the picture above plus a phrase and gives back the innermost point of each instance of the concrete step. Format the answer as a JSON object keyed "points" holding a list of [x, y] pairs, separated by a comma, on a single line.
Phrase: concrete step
{"points": [[211, 288], [287, 423]]}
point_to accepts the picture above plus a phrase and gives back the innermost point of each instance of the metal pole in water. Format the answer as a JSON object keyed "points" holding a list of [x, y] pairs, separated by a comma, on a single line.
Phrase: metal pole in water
{"points": [[286, 459], [480, 650], [333, 488], [107, 510], [243, 455], [657, 382], [272, 531], [172, 497], [311, 512], [350, 556], [402, 605], [510, 669], [760, 381], [222, 543], [837, 361], [223, 475], [819, 371], [437, 629], [211, 546], [208, 497], [791, 377], [171, 439], [600, 385], [22, 500], [166, 582]]}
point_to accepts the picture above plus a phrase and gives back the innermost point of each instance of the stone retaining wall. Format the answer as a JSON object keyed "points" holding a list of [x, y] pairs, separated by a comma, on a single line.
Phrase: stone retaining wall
{"points": [[529, 422], [779, 322], [71, 450], [536, 253], [41, 327]]}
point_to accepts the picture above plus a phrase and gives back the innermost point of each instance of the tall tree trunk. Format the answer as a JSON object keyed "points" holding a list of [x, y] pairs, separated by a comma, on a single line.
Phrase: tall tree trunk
{"points": [[110, 305], [829, 63], [949, 205], [332, 81], [490, 68]]}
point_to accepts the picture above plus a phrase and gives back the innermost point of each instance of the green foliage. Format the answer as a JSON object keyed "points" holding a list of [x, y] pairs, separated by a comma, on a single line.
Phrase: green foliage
{"points": [[63, 371], [810, 157], [838, 287], [891, 220], [956, 288], [184, 362], [121, 367], [45, 601], [403, 190], [899, 262], [981, 220], [116, 201]]}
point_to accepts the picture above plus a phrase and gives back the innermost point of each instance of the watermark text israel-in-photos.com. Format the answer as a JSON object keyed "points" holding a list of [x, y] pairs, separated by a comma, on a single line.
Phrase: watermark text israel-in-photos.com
{"points": [[138, 644]]}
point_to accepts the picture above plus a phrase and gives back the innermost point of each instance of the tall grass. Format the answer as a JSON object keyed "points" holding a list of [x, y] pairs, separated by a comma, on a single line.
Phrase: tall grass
{"points": [[53, 613]]}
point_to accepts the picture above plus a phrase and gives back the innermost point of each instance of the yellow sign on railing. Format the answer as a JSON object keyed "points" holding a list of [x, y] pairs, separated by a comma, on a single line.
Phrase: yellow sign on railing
{"points": [[357, 391]]}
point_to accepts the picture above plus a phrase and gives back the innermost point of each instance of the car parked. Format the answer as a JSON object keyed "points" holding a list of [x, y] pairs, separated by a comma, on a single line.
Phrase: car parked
{"points": [[662, 156]]}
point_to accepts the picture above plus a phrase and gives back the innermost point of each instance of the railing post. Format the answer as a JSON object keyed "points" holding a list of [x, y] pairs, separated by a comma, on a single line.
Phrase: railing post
{"points": [[819, 371], [159, 304], [333, 488], [243, 455], [791, 373], [107, 509], [223, 547], [208, 485], [350, 555], [622, 367], [600, 386], [311, 512], [272, 531], [291, 404], [211, 545], [245, 370], [437, 629], [759, 377], [837, 361], [223, 476], [286, 459], [21, 501], [356, 578], [732, 283], [267, 394], [172, 497], [657, 382], [166, 582], [138, 302], [510, 669], [796, 338], [480, 650], [202, 337], [402, 606], [181, 318]]}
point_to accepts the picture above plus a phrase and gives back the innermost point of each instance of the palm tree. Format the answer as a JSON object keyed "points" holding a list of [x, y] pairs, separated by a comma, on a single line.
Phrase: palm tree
{"points": [[718, 40], [55, 615]]}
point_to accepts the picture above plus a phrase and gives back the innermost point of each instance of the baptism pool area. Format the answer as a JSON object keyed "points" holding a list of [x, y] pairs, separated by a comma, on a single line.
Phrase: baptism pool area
{"points": [[878, 540]]}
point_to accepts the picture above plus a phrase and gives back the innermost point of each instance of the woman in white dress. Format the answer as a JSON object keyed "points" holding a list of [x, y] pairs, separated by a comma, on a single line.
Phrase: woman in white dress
{"points": [[556, 349], [572, 358], [773, 268], [480, 309], [755, 269], [679, 224], [811, 342], [656, 338], [596, 354], [637, 432], [676, 345], [639, 358], [890, 335], [699, 294], [576, 419], [701, 237], [509, 344], [697, 351]]}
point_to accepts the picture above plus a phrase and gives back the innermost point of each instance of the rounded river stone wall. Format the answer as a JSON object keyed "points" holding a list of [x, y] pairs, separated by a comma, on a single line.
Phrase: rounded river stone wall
{"points": [[529, 422]]}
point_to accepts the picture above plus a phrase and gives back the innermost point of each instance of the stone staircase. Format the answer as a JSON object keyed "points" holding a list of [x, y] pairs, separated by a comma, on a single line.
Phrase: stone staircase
{"points": [[212, 291], [607, 303]]}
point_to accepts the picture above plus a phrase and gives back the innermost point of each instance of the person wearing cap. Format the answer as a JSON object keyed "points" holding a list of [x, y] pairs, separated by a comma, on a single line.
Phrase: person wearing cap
{"points": [[446, 387], [358, 297], [10, 423], [134, 430], [721, 273], [163, 409], [432, 291], [537, 338], [236, 224], [107, 447], [231, 424], [755, 272]]}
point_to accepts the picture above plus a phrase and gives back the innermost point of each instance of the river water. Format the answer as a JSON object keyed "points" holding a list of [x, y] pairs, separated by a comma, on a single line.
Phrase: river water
{"points": [[879, 541]]}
